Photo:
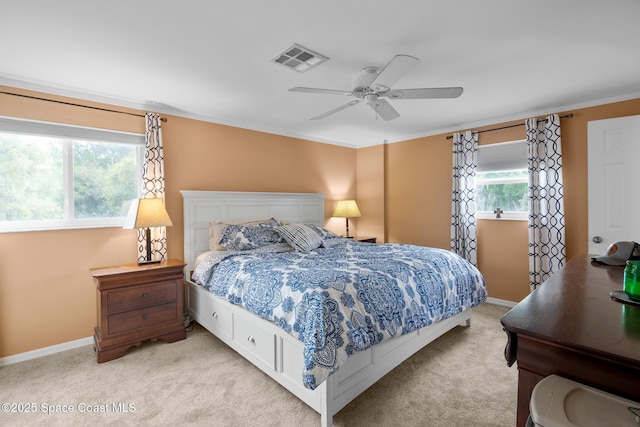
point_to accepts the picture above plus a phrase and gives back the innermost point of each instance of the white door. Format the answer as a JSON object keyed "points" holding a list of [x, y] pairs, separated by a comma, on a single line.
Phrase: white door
{"points": [[614, 184]]}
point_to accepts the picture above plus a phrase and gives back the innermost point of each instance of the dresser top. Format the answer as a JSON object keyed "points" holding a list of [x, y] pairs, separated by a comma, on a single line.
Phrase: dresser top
{"points": [[135, 268], [574, 308]]}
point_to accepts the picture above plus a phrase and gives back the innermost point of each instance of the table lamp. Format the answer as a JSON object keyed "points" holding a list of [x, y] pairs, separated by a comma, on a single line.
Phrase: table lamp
{"points": [[347, 209], [146, 213]]}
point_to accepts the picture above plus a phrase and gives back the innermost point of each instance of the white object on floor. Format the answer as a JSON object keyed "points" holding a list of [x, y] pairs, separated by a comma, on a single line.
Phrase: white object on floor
{"points": [[559, 402]]}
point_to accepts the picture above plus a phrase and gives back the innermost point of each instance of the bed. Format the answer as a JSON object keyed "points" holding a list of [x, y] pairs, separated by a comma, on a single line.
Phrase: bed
{"points": [[327, 367]]}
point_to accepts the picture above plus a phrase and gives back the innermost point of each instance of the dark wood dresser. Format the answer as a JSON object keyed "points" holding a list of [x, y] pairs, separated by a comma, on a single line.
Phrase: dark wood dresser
{"points": [[571, 327], [137, 303]]}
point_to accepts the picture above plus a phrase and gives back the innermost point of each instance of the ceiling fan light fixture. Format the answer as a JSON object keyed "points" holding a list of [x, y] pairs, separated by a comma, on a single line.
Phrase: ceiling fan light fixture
{"points": [[371, 100], [299, 58]]}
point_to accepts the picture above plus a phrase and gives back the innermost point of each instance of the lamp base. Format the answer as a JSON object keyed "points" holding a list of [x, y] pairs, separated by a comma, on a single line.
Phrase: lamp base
{"points": [[145, 262], [148, 239]]}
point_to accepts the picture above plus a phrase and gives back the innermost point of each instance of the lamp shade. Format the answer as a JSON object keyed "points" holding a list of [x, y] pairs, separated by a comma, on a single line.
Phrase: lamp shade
{"points": [[144, 213], [347, 209]]}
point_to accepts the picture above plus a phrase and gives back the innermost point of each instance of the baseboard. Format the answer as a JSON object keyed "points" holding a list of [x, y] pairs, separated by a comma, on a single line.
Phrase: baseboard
{"points": [[502, 302], [45, 351]]}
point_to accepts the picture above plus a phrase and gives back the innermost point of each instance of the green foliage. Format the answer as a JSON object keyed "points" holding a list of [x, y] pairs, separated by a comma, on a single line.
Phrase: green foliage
{"points": [[32, 179], [104, 179], [504, 189], [508, 197], [503, 174]]}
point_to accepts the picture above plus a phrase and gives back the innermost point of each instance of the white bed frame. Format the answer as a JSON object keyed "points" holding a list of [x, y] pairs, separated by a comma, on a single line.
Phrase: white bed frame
{"points": [[263, 343]]}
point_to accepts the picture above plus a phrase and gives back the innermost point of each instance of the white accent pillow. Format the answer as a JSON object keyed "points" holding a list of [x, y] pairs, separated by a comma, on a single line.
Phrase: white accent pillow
{"points": [[300, 237]]}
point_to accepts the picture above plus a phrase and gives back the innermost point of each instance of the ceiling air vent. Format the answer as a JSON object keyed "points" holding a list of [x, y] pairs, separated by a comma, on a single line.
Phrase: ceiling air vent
{"points": [[299, 58]]}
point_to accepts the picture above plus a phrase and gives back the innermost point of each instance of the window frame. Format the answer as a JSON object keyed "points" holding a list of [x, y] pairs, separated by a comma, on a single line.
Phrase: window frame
{"points": [[503, 165], [68, 134]]}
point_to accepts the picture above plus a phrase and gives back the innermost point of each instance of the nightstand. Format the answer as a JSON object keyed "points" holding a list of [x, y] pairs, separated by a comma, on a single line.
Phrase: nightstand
{"points": [[366, 239], [137, 303]]}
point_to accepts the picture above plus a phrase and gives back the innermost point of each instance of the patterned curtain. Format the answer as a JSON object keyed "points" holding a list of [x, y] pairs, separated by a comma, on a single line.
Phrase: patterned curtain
{"points": [[153, 186], [546, 204], [463, 204]]}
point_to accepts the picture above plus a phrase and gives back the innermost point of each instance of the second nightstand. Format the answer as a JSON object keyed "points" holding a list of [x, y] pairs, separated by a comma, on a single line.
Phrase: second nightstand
{"points": [[366, 239], [136, 303]]}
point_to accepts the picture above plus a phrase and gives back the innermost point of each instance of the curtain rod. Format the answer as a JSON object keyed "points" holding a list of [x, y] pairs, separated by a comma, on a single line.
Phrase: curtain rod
{"points": [[566, 116], [76, 105]]}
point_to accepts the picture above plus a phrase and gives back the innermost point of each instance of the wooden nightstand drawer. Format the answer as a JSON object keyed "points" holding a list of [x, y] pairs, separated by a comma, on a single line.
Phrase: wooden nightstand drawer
{"points": [[141, 296], [142, 318]]}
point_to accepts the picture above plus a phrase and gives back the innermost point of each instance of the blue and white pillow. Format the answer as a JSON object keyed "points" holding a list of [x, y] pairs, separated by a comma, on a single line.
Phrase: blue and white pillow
{"points": [[322, 232], [300, 237], [216, 228], [247, 237]]}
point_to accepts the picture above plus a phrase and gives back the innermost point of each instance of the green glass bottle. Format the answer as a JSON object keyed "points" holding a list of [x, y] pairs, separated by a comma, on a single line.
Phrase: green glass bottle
{"points": [[632, 280]]}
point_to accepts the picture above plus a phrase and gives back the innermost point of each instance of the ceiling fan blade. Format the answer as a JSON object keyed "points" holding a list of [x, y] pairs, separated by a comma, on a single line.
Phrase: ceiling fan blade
{"points": [[391, 73], [335, 110], [425, 93], [385, 110], [323, 91]]}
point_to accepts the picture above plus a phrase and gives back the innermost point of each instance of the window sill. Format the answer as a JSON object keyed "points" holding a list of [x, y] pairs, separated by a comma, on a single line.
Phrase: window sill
{"points": [[22, 227], [513, 218]]}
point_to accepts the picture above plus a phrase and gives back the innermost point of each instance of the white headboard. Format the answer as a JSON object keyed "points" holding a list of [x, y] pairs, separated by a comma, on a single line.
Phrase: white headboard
{"points": [[202, 207]]}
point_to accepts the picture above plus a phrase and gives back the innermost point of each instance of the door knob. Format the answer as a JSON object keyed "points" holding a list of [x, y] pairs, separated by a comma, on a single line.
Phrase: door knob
{"points": [[597, 239]]}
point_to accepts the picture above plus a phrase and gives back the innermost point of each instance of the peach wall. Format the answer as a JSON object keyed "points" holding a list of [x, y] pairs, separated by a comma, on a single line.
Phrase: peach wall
{"points": [[47, 295], [419, 198], [503, 258], [209, 156], [404, 188], [419, 192], [370, 168]]}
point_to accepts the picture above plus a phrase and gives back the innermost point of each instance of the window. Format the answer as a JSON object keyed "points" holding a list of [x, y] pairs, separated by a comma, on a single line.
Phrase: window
{"points": [[502, 180], [59, 176]]}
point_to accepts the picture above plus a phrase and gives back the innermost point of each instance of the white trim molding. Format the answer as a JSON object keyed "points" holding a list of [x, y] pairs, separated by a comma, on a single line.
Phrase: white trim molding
{"points": [[45, 351], [501, 302]]}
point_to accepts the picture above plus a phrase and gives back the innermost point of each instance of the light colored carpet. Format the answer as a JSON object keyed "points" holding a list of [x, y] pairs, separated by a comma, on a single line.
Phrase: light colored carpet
{"points": [[461, 379]]}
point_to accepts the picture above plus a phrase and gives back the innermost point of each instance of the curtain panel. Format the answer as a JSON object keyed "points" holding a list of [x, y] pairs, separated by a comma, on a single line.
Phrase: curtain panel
{"points": [[153, 186], [463, 192], [547, 252]]}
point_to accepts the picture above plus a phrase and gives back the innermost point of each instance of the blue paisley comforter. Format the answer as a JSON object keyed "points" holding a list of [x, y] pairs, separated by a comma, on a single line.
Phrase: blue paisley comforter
{"points": [[346, 296]]}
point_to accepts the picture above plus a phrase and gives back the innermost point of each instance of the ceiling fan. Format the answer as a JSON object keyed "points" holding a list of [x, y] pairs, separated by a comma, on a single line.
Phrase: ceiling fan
{"points": [[374, 84]]}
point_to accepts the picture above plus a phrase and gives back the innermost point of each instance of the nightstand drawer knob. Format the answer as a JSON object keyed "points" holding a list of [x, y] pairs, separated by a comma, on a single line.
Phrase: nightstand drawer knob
{"points": [[145, 316], [214, 315], [251, 339], [144, 295]]}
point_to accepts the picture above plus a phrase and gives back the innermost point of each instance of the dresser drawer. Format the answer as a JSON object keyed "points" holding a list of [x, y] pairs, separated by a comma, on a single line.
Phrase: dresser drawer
{"points": [[260, 342], [142, 318], [141, 296]]}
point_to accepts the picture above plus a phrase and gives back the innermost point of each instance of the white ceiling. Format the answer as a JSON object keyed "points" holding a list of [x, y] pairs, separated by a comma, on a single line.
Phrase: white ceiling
{"points": [[211, 59]]}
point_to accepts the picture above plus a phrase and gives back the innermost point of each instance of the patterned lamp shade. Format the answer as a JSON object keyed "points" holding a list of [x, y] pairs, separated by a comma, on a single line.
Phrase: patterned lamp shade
{"points": [[347, 209]]}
